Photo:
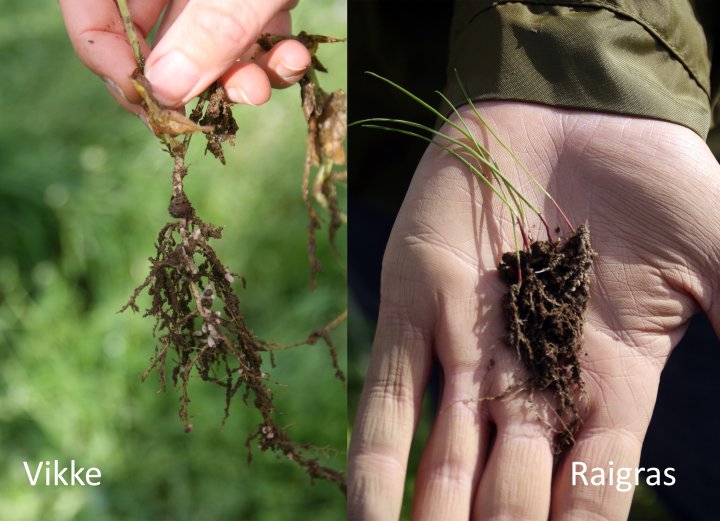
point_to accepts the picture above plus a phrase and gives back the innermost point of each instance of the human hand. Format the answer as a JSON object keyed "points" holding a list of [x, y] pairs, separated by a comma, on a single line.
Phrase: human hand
{"points": [[198, 42], [648, 190]]}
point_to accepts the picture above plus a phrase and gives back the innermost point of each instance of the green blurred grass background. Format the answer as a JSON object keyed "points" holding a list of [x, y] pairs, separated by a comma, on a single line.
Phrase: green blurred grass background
{"points": [[84, 189]]}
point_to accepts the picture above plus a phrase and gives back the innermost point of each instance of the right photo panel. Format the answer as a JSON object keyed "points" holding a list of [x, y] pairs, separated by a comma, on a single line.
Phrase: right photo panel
{"points": [[533, 260]]}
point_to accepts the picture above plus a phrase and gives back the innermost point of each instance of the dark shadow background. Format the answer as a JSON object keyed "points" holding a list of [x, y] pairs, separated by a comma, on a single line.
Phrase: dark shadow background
{"points": [[407, 41]]}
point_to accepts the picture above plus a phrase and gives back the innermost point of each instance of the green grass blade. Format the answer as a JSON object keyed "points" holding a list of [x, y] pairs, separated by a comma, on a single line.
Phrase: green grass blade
{"points": [[486, 153], [416, 99], [450, 151], [465, 132], [493, 167], [509, 151]]}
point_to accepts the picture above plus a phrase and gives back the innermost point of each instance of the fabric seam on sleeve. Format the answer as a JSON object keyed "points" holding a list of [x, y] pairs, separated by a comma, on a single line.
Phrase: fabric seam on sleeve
{"points": [[603, 5]]}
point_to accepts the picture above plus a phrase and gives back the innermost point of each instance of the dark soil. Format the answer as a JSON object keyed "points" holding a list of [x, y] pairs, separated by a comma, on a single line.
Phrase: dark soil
{"points": [[218, 114], [544, 312]]}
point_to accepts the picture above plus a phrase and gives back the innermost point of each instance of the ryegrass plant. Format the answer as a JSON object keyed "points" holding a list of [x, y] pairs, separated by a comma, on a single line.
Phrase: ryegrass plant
{"points": [[547, 281], [472, 154]]}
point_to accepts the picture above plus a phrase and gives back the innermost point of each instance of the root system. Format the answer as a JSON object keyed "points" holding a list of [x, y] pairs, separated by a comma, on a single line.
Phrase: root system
{"points": [[198, 319], [544, 312]]}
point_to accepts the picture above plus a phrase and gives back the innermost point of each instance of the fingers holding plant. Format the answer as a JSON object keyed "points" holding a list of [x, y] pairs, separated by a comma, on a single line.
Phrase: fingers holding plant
{"points": [[207, 40], [98, 37], [197, 43]]}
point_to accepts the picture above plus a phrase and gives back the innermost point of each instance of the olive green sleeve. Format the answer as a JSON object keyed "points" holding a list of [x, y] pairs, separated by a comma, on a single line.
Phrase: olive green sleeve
{"points": [[647, 58]]}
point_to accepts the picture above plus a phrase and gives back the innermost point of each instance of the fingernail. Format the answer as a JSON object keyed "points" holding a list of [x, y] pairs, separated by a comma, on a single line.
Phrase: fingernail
{"points": [[239, 95], [290, 72], [173, 78], [145, 121], [115, 88]]}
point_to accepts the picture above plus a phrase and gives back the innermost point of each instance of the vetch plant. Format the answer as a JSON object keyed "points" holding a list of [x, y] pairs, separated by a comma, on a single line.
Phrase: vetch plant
{"points": [[198, 320], [547, 280]]}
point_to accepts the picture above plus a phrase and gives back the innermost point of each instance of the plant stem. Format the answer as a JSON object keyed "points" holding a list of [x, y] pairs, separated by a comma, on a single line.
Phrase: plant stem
{"points": [[547, 228], [517, 256], [483, 154], [453, 153], [526, 242], [477, 155], [480, 153], [512, 154], [131, 32]]}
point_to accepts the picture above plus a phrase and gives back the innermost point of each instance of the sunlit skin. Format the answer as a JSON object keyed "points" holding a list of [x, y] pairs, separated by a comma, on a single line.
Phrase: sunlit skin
{"points": [[214, 40], [648, 191]]}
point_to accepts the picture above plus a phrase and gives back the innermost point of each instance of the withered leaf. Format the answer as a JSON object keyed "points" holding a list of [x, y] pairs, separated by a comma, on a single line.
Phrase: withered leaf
{"points": [[333, 127], [326, 116], [163, 120]]}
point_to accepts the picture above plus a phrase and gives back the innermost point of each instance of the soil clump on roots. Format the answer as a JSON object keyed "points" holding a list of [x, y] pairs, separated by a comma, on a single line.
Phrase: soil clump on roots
{"points": [[548, 293]]}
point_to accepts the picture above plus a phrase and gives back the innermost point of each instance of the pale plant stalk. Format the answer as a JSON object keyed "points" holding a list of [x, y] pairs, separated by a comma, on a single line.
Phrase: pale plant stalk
{"points": [[131, 32], [512, 154]]}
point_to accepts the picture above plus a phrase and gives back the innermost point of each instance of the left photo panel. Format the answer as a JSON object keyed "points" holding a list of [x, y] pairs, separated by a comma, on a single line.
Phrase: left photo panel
{"points": [[173, 282]]}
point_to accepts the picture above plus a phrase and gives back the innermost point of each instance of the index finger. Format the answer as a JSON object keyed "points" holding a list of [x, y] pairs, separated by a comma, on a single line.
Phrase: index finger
{"points": [[98, 37]]}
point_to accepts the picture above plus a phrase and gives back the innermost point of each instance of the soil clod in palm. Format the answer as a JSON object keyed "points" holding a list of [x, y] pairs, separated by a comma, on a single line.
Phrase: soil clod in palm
{"points": [[544, 312]]}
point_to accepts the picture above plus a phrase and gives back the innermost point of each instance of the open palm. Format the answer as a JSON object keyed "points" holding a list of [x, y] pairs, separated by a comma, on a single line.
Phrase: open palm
{"points": [[648, 191]]}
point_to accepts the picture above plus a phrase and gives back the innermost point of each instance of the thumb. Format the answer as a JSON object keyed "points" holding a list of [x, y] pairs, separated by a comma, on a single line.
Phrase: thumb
{"points": [[204, 41]]}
